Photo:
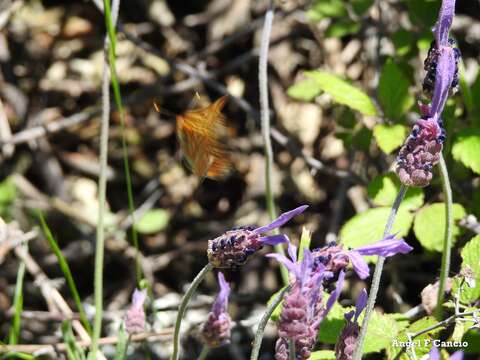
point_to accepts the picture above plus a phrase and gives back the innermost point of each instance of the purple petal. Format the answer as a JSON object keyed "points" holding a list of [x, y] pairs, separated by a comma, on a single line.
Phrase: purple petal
{"points": [[361, 303], [274, 239], [443, 79], [305, 266], [386, 247], [434, 353], [445, 17], [221, 302], [457, 355], [291, 266], [138, 298], [282, 219], [333, 297], [292, 251], [348, 316], [359, 265]]}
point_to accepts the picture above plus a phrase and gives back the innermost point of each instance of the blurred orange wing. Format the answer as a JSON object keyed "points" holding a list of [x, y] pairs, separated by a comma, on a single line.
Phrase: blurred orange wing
{"points": [[200, 134]]}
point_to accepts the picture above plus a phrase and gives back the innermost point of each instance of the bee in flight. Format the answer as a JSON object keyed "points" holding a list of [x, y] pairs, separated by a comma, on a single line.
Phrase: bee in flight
{"points": [[201, 134]]}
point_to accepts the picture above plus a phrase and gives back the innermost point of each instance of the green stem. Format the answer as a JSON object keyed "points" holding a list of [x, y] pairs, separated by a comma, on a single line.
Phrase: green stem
{"points": [[66, 272], [447, 241], [291, 349], [265, 121], [357, 355], [14, 333], [204, 353], [257, 342], [183, 306]]}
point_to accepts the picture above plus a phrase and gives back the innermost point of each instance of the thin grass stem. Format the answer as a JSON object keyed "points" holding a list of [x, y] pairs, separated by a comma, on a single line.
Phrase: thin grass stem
{"points": [[14, 333], [66, 272], [204, 353], [183, 306], [257, 341], [265, 121], [447, 241], [357, 355]]}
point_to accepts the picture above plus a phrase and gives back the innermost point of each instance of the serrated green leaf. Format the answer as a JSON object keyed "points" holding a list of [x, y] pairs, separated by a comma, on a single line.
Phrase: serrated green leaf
{"points": [[466, 149], [333, 324], [382, 330], [326, 8], [421, 343], [389, 137], [470, 255], [153, 221], [339, 89], [322, 355], [393, 91], [384, 189], [367, 227], [429, 225]]}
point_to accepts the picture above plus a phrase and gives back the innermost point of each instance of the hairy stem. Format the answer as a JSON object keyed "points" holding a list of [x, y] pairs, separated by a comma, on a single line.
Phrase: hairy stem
{"points": [[257, 342], [447, 241], [110, 20], [291, 349], [357, 355], [265, 121], [204, 353], [183, 306]]}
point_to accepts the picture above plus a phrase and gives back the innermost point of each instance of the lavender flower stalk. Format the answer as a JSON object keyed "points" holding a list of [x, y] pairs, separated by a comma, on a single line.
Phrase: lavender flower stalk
{"points": [[347, 341], [423, 147], [216, 330], [233, 248], [303, 308], [135, 316]]}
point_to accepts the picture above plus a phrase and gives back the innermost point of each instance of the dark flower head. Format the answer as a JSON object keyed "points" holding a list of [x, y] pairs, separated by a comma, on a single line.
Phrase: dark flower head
{"points": [[135, 316], [335, 258], [303, 308], [216, 330], [234, 247], [347, 341]]}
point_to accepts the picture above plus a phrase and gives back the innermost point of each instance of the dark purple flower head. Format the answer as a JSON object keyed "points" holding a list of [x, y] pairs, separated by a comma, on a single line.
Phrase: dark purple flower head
{"points": [[216, 330], [135, 316], [335, 258], [303, 308], [347, 340], [435, 354], [234, 247]]}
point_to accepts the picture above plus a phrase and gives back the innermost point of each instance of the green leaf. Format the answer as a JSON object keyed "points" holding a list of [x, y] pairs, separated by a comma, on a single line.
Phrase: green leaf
{"points": [[153, 221], [423, 12], [422, 344], [466, 148], [326, 8], [341, 28], [322, 355], [361, 6], [470, 255], [278, 310], [403, 41], [122, 344], [8, 191], [382, 330], [429, 225], [367, 227], [339, 89], [389, 137], [393, 91], [384, 189], [333, 324]]}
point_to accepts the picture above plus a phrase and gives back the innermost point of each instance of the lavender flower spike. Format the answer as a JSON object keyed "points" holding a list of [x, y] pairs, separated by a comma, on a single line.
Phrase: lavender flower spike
{"points": [[335, 258], [216, 330], [234, 247], [435, 354], [303, 307], [135, 316], [348, 337]]}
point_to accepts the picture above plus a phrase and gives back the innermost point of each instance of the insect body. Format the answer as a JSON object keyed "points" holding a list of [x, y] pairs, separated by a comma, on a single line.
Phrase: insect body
{"points": [[200, 133]]}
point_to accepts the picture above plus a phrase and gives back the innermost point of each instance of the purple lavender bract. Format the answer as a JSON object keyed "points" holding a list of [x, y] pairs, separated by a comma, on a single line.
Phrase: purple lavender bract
{"points": [[347, 340], [234, 247], [135, 316], [303, 308], [216, 330]]}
